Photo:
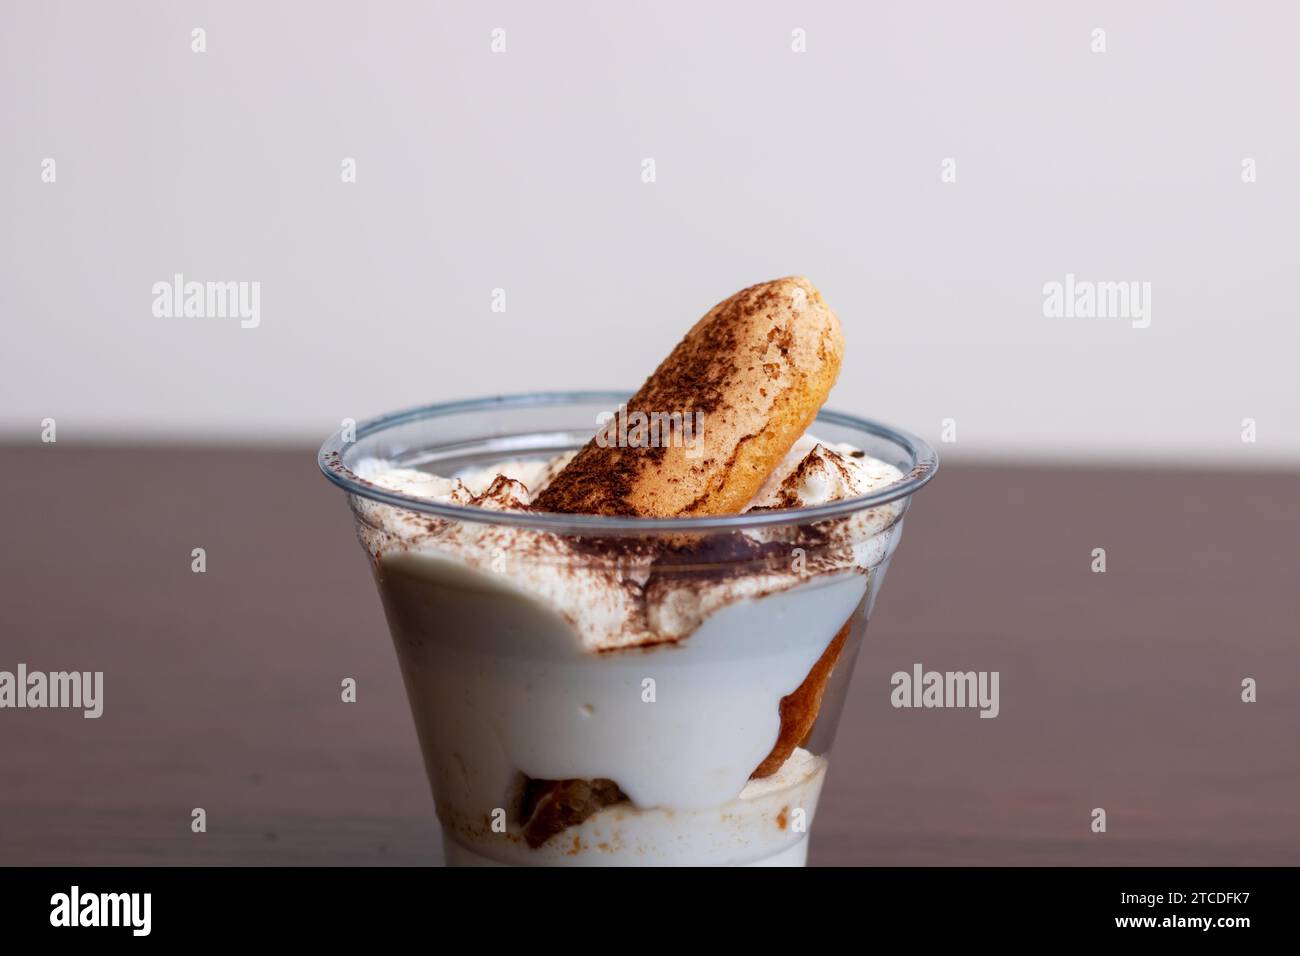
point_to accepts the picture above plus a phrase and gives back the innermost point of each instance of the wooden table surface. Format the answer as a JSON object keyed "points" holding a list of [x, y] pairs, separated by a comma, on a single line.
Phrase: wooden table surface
{"points": [[1119, 690]]}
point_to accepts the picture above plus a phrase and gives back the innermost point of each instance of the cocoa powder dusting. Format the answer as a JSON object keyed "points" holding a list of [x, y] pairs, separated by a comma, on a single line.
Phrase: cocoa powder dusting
{"points": [[696, 377]]}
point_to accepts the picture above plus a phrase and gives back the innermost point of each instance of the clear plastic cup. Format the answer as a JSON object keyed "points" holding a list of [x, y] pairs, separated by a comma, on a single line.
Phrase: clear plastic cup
{"points": [[593, 690]]}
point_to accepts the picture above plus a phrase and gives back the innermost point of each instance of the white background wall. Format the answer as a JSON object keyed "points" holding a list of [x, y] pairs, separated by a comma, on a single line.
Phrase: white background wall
{"points": [[522, 171]]}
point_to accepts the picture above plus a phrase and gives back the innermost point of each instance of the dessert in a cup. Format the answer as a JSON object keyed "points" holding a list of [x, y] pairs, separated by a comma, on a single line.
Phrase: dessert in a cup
{"points": [[635, 652]]}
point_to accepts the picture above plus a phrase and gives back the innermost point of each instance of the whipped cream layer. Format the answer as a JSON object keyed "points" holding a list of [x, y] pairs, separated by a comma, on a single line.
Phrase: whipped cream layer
{"points": [[499, 686], [623, 594]]}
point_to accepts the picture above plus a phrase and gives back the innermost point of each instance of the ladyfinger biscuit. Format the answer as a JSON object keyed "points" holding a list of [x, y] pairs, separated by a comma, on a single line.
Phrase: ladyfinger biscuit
{"points": [[747, 380], [799, 709]]}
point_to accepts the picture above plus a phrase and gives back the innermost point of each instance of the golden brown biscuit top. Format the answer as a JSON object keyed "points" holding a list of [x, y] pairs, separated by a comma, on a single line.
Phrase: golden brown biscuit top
{"points": [[732, 367]]}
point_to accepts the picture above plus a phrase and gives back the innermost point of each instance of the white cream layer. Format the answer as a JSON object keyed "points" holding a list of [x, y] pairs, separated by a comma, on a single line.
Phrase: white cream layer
{"points": [[601, 599]]}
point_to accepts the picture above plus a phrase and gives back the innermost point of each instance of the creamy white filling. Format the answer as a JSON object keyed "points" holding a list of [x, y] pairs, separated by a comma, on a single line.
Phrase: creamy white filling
{"points": [[601, 597], [498, 686]]}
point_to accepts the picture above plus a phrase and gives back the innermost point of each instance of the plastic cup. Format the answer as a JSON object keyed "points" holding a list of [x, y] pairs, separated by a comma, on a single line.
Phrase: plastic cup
{"points": [[707, 744]]}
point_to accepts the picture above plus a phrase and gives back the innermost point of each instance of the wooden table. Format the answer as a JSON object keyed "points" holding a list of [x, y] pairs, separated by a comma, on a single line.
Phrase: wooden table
{"points": [[1118, 690]]}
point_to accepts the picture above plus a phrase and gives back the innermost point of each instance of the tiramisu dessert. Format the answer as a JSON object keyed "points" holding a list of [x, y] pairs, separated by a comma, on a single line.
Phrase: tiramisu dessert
{"points": [[594, 693]]}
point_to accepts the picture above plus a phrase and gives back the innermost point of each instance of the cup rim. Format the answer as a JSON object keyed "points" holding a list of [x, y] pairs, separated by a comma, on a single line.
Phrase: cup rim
{"points": [[925, 463]]}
